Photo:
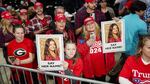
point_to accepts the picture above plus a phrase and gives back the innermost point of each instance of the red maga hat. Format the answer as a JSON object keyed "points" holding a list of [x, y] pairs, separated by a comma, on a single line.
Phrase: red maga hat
{"points": [[88, 19], [23, 11], [59, 17], [6, 15], [38, 4]]}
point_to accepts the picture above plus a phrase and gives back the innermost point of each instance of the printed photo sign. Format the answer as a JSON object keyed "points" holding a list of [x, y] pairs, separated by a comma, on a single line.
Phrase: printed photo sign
{"points": [[50, 52], [113, 36]]}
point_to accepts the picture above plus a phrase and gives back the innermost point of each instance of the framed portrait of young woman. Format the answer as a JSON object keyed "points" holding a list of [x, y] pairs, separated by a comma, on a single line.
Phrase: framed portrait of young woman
{"points": [[113, 36], [50, 52]]}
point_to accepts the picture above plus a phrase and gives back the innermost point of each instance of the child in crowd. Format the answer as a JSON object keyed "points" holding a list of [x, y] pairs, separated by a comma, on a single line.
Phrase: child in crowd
{"points": [[73, 64], [136, 69], [96, 63]]}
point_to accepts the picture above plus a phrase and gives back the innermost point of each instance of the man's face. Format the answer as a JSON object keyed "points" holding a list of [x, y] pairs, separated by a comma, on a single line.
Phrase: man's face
{"points": [[39, 10], [60, 25], [91, 5]]}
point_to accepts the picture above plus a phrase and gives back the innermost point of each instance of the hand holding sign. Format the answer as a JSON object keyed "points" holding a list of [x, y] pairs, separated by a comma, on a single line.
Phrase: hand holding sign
{"points": [[65, 65]]}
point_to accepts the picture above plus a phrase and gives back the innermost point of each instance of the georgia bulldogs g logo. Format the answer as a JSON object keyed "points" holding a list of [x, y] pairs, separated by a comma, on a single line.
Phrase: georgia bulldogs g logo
{"points": [[20, 52]]}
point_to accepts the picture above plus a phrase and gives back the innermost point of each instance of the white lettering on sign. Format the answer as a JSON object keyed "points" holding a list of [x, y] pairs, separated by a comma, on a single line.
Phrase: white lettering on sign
{"points": [[96, 47]]}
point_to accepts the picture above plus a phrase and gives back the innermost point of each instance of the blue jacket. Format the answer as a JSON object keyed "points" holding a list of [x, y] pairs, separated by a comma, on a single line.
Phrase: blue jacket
{"points": [[134, 26]]}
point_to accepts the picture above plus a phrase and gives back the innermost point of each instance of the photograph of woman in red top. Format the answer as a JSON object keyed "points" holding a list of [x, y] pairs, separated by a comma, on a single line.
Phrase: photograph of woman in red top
{"points": [[114, 34], [136, 69], [51, 50]]}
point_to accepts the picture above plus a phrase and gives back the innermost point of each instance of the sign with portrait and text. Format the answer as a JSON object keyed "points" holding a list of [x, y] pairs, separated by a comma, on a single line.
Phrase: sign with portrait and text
{"points": [[113, 36], [50, 52]]}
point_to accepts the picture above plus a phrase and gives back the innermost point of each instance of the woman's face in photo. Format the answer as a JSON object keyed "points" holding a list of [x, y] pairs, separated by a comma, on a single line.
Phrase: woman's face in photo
{"points": [[115, 29], [60, 25], [70, 50], [52, 46], [90, 26]]}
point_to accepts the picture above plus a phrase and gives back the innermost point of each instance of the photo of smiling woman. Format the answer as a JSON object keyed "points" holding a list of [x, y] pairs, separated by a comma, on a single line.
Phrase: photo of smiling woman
{"points": [[51, 50], [114, 34]]}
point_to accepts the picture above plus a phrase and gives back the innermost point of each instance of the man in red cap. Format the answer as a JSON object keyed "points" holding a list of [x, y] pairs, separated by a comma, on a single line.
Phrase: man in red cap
{"points": [[89, 9], [60, 28], [40, 23], [24, 19]]}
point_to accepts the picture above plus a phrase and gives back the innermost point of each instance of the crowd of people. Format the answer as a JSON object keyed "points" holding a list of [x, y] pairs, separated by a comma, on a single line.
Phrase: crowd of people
{"points": [[81, 30]]}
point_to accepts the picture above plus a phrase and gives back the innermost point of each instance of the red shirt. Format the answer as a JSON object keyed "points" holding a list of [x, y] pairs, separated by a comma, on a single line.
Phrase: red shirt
{"points": [[37, 24], [76, 70], [95, 62], [21, 50], [136, 71], [114, 40], [50, 58]]}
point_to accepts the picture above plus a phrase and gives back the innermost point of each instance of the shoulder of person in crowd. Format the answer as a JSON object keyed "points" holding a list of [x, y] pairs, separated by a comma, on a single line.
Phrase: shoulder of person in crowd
{"points": [[117, 18]]}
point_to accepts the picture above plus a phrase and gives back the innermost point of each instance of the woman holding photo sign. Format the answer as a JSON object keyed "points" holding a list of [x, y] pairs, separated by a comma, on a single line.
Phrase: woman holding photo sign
{"points": [[96, 64]]}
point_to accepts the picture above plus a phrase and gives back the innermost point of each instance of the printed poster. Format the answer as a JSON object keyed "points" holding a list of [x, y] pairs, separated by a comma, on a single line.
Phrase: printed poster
{"points": [[50, 52], [113, 36]]}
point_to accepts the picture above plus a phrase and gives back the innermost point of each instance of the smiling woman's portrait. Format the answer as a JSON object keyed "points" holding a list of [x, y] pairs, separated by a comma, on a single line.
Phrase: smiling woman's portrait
{"points": [[51, 50]]}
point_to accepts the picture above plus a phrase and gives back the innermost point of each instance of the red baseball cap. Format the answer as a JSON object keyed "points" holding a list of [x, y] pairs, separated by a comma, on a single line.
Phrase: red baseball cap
{"points": [[88, 19], [6, 15], [89, 1], [59, 17], [16, 22], [23, 11], [38, 4], [128, 4]]}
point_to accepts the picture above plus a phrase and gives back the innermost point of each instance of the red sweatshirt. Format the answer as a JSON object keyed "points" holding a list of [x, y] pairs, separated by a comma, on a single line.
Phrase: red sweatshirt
{"points": [[95, 62], [74, 69]]}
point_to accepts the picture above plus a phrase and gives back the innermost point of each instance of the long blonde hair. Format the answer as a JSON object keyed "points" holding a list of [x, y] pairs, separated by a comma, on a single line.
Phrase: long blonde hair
{"points": [[5, 26], [141, 44], [85, 34]]}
